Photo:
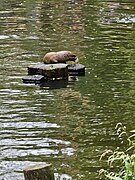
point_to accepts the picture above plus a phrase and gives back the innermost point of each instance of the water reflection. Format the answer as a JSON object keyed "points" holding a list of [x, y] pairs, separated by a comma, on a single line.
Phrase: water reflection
{"points": [[71, 125], [58, 84]]}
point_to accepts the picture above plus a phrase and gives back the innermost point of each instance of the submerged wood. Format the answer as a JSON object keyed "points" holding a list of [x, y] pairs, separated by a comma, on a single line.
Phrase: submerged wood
{"points": [[39, 172], [49, 71]]}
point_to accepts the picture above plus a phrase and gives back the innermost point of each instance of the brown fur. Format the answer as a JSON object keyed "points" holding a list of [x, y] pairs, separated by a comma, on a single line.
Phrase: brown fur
{"points": [[59, 57]]}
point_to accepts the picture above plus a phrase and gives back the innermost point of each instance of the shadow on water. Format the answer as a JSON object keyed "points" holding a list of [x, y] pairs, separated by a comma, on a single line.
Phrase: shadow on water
{"points": [[54, 84], [68, 124]]}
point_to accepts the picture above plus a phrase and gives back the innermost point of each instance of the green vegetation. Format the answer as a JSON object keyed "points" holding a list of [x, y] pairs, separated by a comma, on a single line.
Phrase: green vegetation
{"points": [[121, 163]]}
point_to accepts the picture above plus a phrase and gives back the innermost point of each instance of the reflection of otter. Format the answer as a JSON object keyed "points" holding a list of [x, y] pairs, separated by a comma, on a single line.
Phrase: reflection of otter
{"points": [[59, 57]]}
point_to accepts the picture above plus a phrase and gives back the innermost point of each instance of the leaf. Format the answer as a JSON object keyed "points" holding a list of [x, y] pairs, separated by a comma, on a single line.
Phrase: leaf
{"points": [[128, 167], [133, 135], [113, 178], [133, 131]]}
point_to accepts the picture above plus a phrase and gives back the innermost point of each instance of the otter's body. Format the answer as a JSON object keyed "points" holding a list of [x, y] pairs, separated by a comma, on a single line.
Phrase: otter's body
{"points": [[59, 57]]}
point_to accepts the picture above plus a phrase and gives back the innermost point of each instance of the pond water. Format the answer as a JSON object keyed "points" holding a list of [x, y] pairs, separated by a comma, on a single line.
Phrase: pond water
{"points": [[67, 124]]}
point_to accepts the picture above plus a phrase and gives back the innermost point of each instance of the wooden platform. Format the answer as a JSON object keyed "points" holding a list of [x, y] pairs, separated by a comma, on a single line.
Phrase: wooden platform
{"points": [[40, 72], [76, 70], [37, 79], [49, 71]]}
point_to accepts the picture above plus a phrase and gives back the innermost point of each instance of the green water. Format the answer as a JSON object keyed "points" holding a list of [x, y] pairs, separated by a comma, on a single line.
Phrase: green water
{"points": [[69, 124]]}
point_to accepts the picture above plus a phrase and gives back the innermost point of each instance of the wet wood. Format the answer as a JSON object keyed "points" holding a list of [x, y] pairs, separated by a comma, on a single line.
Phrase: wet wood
{"points": [[59, 70], [49, 71], [37, 79], [76, 69], [39, 172]]}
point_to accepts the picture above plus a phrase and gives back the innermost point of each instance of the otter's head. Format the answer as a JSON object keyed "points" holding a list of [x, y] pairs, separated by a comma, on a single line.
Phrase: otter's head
{"points": [[72, 57]]}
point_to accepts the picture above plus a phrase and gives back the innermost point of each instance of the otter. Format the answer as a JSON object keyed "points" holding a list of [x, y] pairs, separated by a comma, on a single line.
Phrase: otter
{"points": [[59, 57]]}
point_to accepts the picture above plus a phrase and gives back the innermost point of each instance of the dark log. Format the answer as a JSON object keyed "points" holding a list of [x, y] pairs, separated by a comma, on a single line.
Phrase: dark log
{"points": [[76, 69], [49, 71], [39, 172], [37, 79], [35, 69]]}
